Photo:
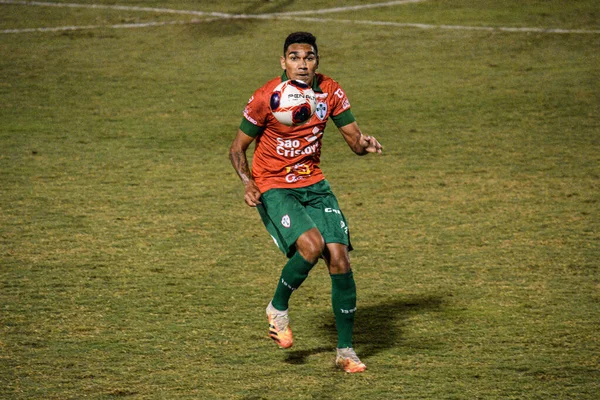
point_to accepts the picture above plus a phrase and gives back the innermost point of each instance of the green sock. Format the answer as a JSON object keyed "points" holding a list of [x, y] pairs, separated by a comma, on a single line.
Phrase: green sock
{"points": [[293, 274], [343, 300]]}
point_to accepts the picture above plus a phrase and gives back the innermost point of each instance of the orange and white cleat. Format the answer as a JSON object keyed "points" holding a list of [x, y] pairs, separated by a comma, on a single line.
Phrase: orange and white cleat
{"points": [[347, 360], [279, 327]]}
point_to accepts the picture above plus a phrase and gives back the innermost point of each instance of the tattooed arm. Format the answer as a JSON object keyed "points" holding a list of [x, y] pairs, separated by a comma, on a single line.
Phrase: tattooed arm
{"points": [[237, 156]]}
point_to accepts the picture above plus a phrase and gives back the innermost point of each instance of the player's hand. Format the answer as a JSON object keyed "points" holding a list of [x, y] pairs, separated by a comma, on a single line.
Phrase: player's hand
{"points": [[252, 194], [371, 144]]}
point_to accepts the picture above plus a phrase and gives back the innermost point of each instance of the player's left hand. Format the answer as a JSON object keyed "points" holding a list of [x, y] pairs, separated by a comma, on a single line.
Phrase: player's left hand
{"points": [[371, 145]]}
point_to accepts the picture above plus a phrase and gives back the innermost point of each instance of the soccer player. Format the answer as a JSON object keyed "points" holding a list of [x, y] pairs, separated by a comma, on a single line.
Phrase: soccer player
{"points": [[292, 196]]}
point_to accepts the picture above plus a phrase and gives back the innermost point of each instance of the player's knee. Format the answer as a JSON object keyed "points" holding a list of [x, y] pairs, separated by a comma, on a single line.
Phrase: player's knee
{"points": [[339, 266], [311, 245], [337, 258]]}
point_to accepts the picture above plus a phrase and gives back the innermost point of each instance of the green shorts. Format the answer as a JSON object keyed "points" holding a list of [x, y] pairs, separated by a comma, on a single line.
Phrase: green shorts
{"points": [[288, 213]]}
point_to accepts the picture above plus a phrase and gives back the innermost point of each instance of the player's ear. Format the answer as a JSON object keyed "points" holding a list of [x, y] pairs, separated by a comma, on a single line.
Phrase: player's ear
{"points": [[282, 62]]}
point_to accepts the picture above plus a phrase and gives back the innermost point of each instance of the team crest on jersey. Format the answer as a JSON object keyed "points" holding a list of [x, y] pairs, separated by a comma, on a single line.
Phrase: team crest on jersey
{"points": [[321, 110], [285, 221]]}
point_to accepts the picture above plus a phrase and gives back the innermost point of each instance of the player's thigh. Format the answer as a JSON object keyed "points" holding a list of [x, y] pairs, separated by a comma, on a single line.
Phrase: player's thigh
{"points": [[325, 211], [284, 217]]}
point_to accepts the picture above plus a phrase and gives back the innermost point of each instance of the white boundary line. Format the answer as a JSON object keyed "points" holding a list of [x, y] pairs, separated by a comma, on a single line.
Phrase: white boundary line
{"points": [[204, 13], [348, 8], [117, 26], [294, 15], [447, 27], [117, 7]]}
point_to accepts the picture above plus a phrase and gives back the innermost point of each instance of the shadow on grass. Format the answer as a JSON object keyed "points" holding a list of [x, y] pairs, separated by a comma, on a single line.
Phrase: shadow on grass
{"points": [[298, 357], [377, 327]]}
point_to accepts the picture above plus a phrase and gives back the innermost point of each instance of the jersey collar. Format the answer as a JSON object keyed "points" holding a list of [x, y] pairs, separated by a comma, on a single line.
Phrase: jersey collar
{"points": [[315, 84]]}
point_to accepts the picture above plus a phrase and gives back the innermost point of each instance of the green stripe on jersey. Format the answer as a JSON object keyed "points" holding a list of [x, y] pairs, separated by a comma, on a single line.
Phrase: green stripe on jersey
{"points": [[343, 118], [249, 128]]}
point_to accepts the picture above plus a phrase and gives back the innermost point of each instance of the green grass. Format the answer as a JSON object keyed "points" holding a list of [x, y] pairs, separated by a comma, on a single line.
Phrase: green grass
{"points": [[131, 268]]}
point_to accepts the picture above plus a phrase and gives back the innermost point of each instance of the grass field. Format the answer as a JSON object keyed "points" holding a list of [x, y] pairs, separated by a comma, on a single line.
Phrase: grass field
{"points": [[131, 267]]}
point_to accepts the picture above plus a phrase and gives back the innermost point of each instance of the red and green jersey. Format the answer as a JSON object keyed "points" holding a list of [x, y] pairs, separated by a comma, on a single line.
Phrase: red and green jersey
{"points": [[289, 156]]}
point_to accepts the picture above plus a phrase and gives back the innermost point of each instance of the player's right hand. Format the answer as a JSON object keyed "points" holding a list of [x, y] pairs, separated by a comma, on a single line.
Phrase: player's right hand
{"points": [[252, 194]]}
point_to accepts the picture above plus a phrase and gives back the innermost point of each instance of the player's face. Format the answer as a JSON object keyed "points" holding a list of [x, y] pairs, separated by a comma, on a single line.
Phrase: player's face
{"points": [[300, 62]]}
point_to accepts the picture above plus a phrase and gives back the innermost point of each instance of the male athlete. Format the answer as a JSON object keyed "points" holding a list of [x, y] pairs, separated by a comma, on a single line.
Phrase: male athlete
{"points": [[294, 200]]}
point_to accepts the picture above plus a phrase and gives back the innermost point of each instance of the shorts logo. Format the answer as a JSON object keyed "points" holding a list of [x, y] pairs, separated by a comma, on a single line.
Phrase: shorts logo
{"points": [[285, 221], [344, 227]]}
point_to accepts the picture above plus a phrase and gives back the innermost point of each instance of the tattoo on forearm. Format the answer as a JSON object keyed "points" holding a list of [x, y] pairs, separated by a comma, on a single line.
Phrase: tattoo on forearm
{"points": [[240, 163]]}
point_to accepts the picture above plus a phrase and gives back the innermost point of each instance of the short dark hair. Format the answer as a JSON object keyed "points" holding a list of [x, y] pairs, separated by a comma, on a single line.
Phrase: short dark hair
{"points": [[300, 37]]}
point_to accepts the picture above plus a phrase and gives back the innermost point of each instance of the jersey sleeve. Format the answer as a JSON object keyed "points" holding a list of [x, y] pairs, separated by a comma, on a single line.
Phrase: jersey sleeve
{"points": [[341, 114], [344, 118], [249, 128], [255, 114]]}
